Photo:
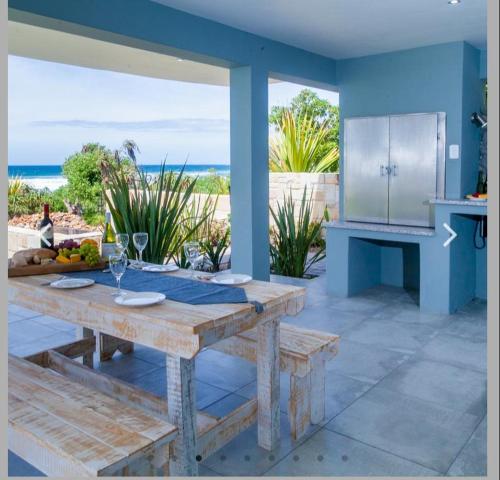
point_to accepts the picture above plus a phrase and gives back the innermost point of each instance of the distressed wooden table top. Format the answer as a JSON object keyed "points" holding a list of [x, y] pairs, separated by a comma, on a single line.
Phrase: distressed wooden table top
{"points": [[173, 327]]}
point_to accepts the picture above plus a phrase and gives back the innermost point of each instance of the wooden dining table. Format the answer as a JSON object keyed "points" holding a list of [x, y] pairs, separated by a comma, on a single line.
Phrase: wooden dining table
{"points": [[181, 331]]}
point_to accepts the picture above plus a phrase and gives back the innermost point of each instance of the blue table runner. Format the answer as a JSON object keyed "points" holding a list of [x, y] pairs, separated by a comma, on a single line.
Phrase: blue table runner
{"points": [[178, 289]]}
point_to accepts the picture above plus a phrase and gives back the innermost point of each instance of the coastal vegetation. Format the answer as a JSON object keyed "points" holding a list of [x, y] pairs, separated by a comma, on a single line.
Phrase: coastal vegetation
{"points": [[294, 236], [307, 135], [24, 199], [167, 204], [299, 146], [155, 206], [213, 184], [87, 172]]}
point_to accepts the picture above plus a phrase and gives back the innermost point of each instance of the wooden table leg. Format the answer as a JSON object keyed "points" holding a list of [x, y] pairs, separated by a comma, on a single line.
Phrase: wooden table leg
{"points": [[83, 332], [182, 413], [299, 404], [318, 390], [268, 384], [108, 345]]}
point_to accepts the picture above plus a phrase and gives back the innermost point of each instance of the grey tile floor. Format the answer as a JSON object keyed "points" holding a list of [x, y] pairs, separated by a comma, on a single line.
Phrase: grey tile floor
{"points": [[405, 396]]}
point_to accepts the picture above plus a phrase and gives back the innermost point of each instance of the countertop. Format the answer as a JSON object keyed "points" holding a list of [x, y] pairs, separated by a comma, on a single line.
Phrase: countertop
{"points": [[462, 202], [381, 227]]}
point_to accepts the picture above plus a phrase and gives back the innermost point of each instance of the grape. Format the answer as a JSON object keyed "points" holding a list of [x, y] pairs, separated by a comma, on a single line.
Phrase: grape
{"points": [[90, 254], [69, 244]]}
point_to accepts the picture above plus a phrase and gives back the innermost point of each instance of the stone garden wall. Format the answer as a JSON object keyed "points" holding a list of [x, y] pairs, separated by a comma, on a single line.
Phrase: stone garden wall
{"points": [[323, 186]]}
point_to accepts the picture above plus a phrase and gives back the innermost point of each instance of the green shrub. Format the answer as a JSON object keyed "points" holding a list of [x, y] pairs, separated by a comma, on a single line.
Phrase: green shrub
{"points": [[83, 173], [308, 104], [56, 199], [153, 206], [194, 224], [26, 200], [23, 199], [87, 172], [216, 243], [292, 240], [213, 184], [299, 146]]}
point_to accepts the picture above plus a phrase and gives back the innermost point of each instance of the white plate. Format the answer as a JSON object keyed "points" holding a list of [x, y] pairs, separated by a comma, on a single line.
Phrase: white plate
{"points": [[72, 283], [203, 276], [231, 279], [161, 268], [140, 299], [475, 199]]}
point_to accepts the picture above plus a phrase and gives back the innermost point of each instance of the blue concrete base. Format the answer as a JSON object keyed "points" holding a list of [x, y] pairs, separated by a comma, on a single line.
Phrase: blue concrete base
{"points": [[447, 277]]}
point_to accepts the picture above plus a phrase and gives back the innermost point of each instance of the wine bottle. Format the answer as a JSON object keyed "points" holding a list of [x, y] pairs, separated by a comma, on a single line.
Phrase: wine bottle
{"points": [[108, 243], [46, 229], [480, 186]]}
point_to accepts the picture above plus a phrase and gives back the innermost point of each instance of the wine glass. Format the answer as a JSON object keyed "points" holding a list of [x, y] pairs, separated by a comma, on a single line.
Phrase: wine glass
{"points": [[192, 252], [122, 240], [140, 241], [118, 265]]}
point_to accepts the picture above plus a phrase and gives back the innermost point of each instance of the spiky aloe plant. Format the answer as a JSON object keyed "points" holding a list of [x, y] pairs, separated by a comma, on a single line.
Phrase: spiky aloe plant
{"points": [[195, 223], [298, 145], [293, 236], [155, 206], [15, 186], [215, 245]]}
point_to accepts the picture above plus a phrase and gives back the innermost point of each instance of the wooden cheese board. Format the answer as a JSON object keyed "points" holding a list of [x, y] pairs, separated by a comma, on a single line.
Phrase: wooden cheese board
{"points": [[53, 267]]}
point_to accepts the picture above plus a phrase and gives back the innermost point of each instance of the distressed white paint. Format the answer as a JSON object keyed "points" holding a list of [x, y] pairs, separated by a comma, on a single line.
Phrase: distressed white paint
{"points": [[268, 384]]}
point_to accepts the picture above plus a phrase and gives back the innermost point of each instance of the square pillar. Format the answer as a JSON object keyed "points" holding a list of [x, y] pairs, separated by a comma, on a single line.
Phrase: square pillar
{"points": [[249, 172]]}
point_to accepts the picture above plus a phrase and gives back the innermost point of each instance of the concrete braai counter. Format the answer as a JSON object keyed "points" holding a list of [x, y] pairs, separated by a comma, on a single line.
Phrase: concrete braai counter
{"points": [[362, 255]]}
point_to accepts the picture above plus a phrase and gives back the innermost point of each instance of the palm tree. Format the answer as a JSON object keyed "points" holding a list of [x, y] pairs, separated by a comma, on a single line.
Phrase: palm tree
{"points": [[130, 148]]}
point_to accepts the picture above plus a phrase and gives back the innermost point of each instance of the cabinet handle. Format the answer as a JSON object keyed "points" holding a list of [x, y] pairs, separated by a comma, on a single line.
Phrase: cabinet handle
{"points": [[382, 170], [395, 170]]}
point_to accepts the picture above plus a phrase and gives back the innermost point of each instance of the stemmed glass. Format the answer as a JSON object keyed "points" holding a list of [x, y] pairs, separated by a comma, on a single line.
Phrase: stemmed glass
{"points": [[122, 240], [118, 265], [140, 241], [192, 252]]}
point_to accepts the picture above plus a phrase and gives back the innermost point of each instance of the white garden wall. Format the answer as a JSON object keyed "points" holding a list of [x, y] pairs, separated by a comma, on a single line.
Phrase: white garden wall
{"points": [[324, 188]]}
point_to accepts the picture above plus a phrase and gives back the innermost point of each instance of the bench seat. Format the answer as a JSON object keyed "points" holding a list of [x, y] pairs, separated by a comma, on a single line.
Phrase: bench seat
{"points": [[64, 428], [303, 354]]}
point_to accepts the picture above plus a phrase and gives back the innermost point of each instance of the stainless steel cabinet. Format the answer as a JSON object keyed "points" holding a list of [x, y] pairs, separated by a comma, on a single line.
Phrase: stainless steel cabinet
{"points": [[366, 154], [393, 166]]}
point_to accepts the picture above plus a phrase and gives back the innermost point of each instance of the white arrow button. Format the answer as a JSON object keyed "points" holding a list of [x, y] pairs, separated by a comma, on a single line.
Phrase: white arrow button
{"points": [[452, 233]]}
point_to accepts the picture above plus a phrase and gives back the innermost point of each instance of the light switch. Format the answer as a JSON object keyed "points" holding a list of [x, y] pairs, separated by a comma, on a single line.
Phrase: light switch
{"points": [[454, 152]]}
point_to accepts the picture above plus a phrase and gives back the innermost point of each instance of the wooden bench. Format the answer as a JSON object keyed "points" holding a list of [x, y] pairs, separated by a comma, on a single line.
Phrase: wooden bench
{"points": [[65, 427], [303, 354]]}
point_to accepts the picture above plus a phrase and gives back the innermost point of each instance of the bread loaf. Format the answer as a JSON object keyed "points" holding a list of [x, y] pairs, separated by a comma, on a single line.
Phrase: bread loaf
{"points": [[32, 255]]}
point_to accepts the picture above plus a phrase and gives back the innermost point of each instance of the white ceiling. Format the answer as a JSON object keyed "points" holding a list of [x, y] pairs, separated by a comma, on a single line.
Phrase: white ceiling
{"points": [[349, 28], [55, 46]]}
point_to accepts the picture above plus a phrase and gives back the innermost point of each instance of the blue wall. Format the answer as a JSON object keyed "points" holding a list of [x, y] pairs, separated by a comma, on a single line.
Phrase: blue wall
{"points": [[445, 78], [483, 64], [428, 79]]}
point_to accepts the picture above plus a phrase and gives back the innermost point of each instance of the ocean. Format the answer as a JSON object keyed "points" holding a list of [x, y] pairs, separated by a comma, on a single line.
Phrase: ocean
{"points": [[50, 176]]}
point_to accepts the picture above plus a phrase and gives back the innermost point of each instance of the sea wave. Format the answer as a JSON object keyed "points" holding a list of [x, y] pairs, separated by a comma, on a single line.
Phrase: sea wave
{"points": [[52, 183]]}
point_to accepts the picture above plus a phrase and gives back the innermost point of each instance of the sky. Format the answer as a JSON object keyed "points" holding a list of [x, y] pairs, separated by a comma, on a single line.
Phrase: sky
{"points": [[55, 108]]}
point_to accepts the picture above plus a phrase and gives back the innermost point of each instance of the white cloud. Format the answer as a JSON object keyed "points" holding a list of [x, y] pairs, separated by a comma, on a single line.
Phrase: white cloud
{"points": [[170, 124]]}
